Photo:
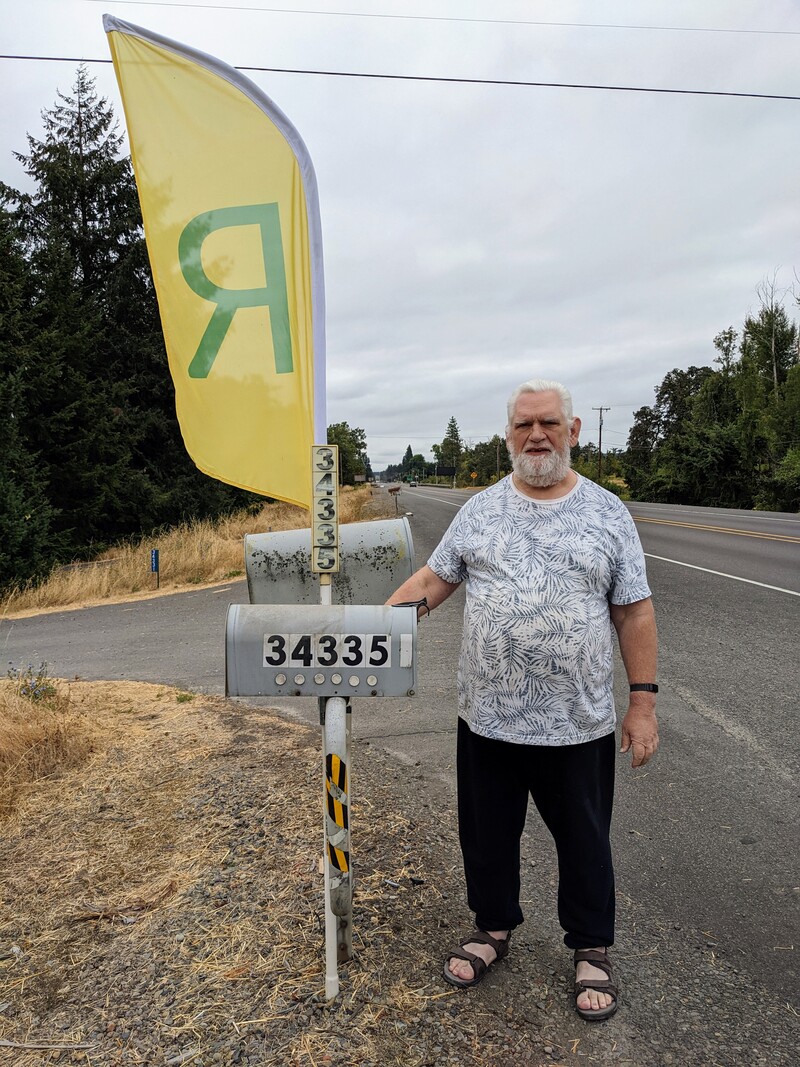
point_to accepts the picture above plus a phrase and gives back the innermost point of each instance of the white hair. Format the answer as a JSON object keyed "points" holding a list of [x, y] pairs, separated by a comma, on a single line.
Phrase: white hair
{"points": [[541, 385]]}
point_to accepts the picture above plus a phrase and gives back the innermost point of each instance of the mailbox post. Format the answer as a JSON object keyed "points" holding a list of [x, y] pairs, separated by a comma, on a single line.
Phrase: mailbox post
{"points": [[336, 653], [335, 729], [331, 651]]}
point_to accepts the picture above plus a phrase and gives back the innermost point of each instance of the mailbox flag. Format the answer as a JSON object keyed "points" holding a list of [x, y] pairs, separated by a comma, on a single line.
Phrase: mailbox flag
{"points": [[231, 220]]}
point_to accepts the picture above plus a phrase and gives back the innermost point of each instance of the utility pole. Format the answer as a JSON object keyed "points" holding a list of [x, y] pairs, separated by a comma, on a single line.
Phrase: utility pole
{"points": [[600, 444]]}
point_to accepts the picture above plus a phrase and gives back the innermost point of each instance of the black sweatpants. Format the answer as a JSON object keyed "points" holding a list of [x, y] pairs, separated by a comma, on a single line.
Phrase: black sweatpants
{"points": [[572, 787]]}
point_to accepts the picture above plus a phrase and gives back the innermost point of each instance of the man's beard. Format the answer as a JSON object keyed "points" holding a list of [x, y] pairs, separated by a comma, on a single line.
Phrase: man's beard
{"points": [[540, 472]]}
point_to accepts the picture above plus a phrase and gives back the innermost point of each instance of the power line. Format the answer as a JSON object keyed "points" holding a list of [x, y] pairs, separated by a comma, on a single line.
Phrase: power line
{"points": [[450, 18], [456, 81], [525, 84]]}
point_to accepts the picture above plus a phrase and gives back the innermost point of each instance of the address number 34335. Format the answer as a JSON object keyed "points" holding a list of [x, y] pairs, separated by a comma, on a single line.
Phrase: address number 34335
{"points": [[327, 650]]}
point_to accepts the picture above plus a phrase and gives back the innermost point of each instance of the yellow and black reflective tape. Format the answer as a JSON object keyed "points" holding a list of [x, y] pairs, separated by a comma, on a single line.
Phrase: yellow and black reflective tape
{"points": [[338, 858], [336, 776], [337, 810], [336, 770]]}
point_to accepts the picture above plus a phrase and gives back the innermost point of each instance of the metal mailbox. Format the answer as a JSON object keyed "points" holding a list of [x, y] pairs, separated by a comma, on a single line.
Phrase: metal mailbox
{"points": [[316, 650], [375, 558]]}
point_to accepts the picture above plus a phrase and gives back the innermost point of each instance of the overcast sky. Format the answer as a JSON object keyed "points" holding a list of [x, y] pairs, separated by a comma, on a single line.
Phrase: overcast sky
{"points": [[478, 235]]}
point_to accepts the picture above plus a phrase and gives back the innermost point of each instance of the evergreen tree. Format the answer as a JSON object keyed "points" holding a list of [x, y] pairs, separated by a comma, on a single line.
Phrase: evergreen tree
{"points": [[787, 413], [25, 514], [408, 458], [94, 384], [79, 225], [452, 445]]}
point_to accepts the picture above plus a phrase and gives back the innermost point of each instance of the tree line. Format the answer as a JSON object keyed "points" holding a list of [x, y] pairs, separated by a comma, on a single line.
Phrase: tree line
{"points": [[486, 462], [730, 436], [724, 437], [452, 458], [92, 451]]}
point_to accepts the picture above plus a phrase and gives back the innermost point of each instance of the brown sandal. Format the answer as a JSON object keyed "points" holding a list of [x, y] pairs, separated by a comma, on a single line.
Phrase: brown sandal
{"points": [[479, 966], [598, 958]]}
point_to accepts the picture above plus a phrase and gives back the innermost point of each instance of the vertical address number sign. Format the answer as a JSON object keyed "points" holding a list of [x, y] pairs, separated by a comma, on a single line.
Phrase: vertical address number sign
{"points": [[325, 509]]}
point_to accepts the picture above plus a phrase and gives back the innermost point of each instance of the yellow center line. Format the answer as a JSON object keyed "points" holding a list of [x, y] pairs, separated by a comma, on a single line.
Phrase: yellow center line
{"points": [[720, 529]]}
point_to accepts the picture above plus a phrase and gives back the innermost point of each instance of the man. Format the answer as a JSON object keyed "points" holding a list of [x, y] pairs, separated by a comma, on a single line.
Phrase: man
{"points": [[551, 562]]}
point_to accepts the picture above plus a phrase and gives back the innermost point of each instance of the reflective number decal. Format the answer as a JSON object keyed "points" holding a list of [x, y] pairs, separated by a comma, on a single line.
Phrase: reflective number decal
{"points": [[275, 650], [301, 654], [325, 509], [325, 534], [324, 458], [379, 646], [324, 559], [354, 651], [327, 650]]}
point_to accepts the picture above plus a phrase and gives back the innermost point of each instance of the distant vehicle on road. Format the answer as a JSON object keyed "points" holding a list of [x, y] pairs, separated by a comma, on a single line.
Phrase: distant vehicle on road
{"points": [[413, 482]]}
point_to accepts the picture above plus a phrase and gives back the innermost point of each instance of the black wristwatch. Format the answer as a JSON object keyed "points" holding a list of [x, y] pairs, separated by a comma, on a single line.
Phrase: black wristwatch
{"points": [[644, 687]]}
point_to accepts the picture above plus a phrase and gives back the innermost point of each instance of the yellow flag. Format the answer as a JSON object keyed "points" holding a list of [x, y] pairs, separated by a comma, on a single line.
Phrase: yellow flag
{"points": [[231, 219]]}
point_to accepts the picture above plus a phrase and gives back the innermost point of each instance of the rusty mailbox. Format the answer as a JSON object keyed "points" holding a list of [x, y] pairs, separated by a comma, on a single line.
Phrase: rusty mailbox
{"points": [[376, 557]]}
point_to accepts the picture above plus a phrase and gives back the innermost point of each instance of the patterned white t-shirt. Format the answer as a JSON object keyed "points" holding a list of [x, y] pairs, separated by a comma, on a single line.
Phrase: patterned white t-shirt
{"points": [[537, 657]]}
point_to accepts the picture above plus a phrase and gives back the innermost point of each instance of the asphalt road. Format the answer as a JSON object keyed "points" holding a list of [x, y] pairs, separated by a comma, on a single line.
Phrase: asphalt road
{"points": [[706, 836], [708, 833]]}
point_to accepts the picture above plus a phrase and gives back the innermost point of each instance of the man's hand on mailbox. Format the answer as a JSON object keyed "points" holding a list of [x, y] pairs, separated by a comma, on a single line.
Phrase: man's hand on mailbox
{"points": [[420, 605]]}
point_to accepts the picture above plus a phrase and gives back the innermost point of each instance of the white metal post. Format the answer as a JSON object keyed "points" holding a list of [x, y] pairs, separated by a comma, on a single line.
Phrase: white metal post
{"points": [[335, 736], [338, 869]]}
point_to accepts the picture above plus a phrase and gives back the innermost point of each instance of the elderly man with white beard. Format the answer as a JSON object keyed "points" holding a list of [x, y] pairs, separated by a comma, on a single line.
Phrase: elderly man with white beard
{"points": [[552, 562]]}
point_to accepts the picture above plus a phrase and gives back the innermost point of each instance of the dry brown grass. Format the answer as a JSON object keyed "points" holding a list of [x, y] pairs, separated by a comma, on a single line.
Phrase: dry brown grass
{"points": [[38, 739], [194, 554], [187, 846]]}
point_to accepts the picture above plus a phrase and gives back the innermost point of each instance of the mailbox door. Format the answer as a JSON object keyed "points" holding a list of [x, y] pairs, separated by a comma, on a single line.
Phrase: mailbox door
{"points": [[320, 650]]}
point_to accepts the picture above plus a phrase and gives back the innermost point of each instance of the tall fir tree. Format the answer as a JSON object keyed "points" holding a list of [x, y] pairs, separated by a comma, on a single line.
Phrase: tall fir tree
{"points": [[452, 446], [25, 513], [94, 382], [80, 225]]}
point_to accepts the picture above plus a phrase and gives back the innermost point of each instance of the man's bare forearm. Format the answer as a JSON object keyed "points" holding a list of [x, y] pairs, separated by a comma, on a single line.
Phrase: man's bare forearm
{"points": [[426, 584], [638, 639]]}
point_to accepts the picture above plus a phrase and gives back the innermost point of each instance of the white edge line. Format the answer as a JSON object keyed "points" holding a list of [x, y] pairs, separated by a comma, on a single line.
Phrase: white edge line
{"points": [[441, 500], [721, 574], [677, 562]]}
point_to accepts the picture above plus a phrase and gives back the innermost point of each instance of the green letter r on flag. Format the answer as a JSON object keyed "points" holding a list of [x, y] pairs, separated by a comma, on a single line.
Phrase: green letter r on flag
{"points": [[228, 301]]}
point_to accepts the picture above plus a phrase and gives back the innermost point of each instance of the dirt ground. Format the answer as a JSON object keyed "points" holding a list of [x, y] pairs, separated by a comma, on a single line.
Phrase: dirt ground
{"points": [[163, 903]]}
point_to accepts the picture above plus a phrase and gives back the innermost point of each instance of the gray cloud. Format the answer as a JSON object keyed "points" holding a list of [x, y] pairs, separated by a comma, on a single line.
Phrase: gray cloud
{"points": [[477, 235]]}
